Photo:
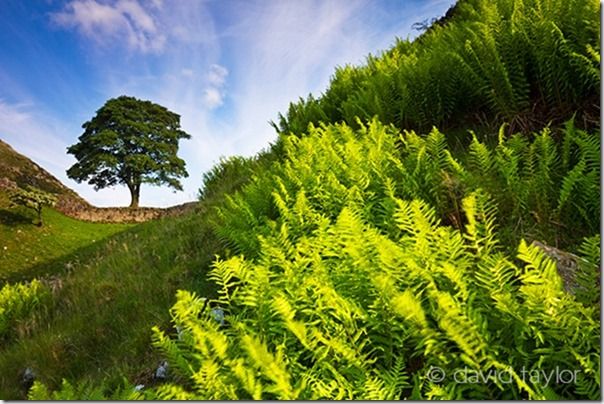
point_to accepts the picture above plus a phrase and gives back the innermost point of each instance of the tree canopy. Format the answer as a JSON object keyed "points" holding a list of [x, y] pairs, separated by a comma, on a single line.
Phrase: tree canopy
{"points": [[130, 142], [32, 198]]}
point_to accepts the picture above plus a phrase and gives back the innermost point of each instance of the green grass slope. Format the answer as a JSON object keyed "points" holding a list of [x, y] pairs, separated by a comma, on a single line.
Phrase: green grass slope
{"points": [[97, 324], [105, 285], [27, 250]]}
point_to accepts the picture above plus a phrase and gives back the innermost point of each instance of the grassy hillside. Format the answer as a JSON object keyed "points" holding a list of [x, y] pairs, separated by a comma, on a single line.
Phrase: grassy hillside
{"points": [[97, 323], [18, 170], [103, 286], [27, 250]]}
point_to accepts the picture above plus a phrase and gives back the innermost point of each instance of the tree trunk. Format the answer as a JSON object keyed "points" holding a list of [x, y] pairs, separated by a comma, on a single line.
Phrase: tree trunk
{"points": [[134, 202], [135, 190], [39, 210]]}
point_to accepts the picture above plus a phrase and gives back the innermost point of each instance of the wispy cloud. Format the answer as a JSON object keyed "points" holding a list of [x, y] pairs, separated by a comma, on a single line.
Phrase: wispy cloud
{"points": [[187, 73], [22, 128], [12, 115], [227, 68], [217, 75], [107, 23], [290, 49], [213, 95]]}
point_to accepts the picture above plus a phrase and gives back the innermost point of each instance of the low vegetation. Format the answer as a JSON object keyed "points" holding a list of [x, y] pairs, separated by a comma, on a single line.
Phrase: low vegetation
{"points": [[27, 250], [17, 302], [97, 323], [349, 280]]}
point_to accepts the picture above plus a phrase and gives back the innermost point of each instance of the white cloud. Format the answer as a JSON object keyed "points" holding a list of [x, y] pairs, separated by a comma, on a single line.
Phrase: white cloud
{"points": [[187, 72], [157, 3], [107, 23], [212, 98], [217, 75], [213, 95]]}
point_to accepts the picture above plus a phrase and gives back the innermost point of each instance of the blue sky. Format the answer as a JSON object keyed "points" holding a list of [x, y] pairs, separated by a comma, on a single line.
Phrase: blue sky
{"points": [[227, 67]]}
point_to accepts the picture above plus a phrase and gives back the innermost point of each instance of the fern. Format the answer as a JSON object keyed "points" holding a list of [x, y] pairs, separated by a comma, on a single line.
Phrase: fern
{"points": [[588, 273], [355, 284], [19, 301], [510, 60]]}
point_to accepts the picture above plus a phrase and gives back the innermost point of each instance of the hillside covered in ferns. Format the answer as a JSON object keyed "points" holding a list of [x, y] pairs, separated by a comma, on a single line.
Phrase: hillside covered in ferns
{"points": [[436, 208]]}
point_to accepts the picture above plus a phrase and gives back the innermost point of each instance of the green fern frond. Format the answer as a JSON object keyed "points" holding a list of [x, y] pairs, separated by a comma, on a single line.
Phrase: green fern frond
{"points": [[481, 216], [569, 184], [588, 272]]}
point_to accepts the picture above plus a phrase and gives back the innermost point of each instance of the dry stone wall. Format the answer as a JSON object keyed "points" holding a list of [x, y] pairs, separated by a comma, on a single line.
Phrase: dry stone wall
{"points": [[121, 215]]}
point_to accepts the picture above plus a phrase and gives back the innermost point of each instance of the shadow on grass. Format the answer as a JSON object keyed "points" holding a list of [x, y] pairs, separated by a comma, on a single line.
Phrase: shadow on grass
{"points": [[61, 265], [11, 218]]}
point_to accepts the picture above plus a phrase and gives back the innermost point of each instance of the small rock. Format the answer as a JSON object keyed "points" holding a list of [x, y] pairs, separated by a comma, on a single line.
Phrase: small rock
{"points": [[139, 387], [218, 315], [566, 264], [161, 372], [28, 378]]}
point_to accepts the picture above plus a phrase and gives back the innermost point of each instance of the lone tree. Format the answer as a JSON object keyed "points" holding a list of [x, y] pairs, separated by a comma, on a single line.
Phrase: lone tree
{"points": [[130, 142], [32, 198]]}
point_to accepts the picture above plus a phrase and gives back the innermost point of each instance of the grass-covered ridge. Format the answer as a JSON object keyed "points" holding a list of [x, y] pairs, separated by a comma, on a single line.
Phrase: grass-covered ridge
{"points": [[355, 287], [95, 322]]}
